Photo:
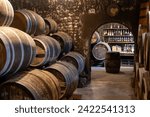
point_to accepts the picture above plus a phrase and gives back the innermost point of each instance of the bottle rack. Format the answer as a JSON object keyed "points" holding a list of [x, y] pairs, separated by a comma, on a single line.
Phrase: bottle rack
{"points": [[120, 39]]}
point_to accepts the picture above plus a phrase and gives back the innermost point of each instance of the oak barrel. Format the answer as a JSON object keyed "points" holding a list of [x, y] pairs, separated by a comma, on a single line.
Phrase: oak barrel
{"points": [[139, 38], [29, 22], [67, 75], [55, 43], [17, 50], [65, 41], [31, 85], [143, 15], [136, 77], [142, 71], [146, 86], [147, 51], [148, 21], [75, 76], [112, 62], [6, 13], [47, 50], [95, 38], [51, 25], [141, 44], [76, 59], [99, 50]]}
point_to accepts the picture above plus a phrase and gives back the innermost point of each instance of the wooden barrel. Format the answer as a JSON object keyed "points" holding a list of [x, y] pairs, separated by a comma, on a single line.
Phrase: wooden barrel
{"points": [[148, 21], [135, 80], [99, 50], [112, 62], [67, 75], [32, 85], [40, 23], [76, 59], [139, 38], [47, 50], [65, 41], [75, 76], [141, 48], [144, 8], [138, 69], [146, 86], [57, 47], [95, 38], [147, 51], [142, 71], [30, 22], [51, 25], [17, 50], [6, 13]]}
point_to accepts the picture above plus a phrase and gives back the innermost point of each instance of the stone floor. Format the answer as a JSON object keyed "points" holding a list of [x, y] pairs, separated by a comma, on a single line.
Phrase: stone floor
{"points": [[106, 86]]}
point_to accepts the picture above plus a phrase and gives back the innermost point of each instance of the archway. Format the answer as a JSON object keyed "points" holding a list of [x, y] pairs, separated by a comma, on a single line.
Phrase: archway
{"points": [[112, 37]]}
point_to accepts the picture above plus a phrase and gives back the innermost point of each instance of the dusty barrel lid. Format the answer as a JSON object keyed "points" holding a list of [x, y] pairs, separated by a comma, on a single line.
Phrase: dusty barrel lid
{"points": [[76, 59], [65, 41], [51, 25], [99, 50]]}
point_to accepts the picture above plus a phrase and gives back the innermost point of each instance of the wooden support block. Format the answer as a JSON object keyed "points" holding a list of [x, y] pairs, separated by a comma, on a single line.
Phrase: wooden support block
{"points": [[136, 78], [139, 90], [146, 86]]}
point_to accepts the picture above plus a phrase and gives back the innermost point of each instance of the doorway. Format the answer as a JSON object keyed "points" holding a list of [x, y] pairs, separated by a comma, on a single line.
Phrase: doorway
{"points": [[110, 86], [113, 37]]}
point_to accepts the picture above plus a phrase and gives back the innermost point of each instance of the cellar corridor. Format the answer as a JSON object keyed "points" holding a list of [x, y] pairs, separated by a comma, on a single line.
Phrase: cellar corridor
{"points": [[106, 86], [47, 48]]}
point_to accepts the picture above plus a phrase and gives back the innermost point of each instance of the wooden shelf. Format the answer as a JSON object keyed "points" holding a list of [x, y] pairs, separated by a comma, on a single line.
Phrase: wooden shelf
{"points": [[120, 42], [115, 29], [126, 54], [118, 35], [121, 37]]}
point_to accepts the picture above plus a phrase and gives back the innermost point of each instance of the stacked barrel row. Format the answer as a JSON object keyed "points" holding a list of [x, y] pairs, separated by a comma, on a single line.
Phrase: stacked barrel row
{"points": [[25, 20], [142, 67], [23, 50], [32, 23], [17, 50], [56, 81], [46, 49], [141, 81], [34, 43]]}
